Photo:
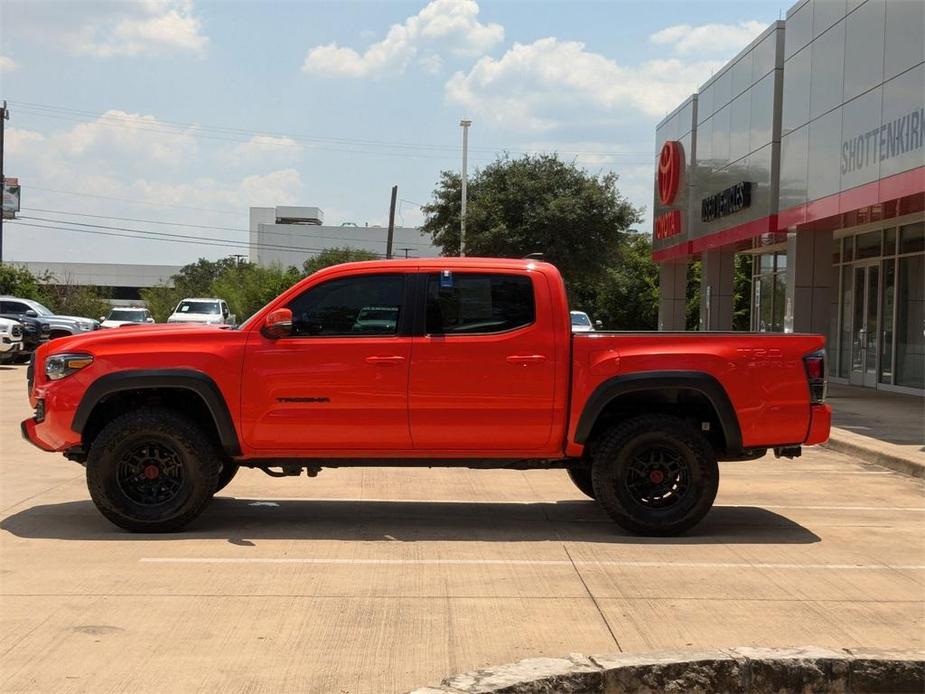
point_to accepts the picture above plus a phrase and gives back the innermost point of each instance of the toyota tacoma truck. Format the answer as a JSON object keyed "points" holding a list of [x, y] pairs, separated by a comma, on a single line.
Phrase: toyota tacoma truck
{"points": [[477, 366]]}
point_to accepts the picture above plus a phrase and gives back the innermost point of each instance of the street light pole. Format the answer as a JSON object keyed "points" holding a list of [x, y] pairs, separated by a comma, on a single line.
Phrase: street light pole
{"points": [[462, 215], [4, 116]]}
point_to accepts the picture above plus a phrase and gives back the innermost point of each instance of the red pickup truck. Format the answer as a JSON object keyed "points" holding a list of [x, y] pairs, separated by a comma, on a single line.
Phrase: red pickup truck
{"points": [[466, 362]]}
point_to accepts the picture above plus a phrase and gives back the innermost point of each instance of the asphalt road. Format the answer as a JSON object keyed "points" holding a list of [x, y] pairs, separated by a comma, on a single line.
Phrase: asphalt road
{"points": [[379, 580]]}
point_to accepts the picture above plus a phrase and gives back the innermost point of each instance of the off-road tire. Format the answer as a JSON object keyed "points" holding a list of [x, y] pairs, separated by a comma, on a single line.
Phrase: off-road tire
{"points": [[581, 478], [227, 473], [115, 447], [632, 445]]}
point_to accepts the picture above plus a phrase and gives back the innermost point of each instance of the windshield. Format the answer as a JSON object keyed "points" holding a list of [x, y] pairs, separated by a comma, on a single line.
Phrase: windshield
{"points": [[209, 307], [132, 315], [41, 310], [580, 319]]}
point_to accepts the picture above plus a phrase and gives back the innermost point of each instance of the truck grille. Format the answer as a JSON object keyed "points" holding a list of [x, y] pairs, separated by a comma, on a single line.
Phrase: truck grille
{"points": [[16, 331]]}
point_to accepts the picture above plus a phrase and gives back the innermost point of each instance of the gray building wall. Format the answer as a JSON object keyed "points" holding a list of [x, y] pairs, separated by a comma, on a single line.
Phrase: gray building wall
{"points": [[852, 71], [293, 244]]}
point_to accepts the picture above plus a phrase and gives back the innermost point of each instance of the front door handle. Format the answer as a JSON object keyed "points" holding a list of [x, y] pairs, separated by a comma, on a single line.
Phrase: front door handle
{"points": [[385, 361], [526, 359]]}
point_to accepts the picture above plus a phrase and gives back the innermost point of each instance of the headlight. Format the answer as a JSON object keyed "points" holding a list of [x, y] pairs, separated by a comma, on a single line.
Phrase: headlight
{"points": [[61, 365], [85, 325], [5, 327]]}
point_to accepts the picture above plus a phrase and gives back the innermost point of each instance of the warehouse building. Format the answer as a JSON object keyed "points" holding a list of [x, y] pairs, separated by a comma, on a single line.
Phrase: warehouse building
{"points": [[807, 153]]}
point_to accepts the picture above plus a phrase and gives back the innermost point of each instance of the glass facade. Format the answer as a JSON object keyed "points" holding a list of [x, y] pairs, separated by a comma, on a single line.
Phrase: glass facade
{"points": [[880, 337]]}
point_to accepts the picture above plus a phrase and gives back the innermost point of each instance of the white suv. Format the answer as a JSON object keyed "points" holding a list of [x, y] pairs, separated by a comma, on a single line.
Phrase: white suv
{"points": [[204, 311], [10, 339]]}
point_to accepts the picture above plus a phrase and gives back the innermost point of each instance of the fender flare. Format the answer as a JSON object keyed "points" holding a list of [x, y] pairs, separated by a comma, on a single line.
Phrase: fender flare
{"points": [[150, 379], [702, 383]]}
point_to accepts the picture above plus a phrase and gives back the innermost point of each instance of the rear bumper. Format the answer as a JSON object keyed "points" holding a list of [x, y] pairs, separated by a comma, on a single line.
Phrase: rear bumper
{"points": [[820, 422]]}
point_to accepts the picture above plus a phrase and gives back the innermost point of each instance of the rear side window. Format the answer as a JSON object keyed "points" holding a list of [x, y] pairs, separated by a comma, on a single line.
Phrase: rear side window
{"points": [[353, 306], [478, 303]]}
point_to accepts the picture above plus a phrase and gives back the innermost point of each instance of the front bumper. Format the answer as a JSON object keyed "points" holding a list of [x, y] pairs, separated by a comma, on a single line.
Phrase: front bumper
{"points": [[820, 422], [29, 433]]}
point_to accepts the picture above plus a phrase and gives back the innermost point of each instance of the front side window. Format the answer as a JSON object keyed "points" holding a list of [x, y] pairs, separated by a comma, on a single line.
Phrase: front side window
{"points": [[353, 306], [478, 303]]}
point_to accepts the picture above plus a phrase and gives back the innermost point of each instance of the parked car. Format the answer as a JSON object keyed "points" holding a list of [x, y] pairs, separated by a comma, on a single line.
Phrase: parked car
{"points": [[126, 315], [480, 370], [60, 326], [10, 340], [581, 322], [206, 311], [35, 332]]}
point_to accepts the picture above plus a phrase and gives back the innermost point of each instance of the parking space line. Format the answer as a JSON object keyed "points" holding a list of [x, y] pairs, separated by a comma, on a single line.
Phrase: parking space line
{"points": [[521, 502], [530, 562]]}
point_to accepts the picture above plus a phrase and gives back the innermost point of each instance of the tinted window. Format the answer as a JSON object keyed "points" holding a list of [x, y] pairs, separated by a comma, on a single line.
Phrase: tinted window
{"points": [[13, 307], [206, 307], [475, 303], [129, 315], [366, 305]]}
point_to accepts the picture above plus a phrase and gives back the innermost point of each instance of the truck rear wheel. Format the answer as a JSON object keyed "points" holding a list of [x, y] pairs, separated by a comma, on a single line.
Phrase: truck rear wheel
{"points": [[581, 478], [655, 475], [152, 470]]}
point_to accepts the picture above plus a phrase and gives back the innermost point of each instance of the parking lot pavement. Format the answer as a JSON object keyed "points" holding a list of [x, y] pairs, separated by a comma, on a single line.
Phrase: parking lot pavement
{"points": [[379, 580]]}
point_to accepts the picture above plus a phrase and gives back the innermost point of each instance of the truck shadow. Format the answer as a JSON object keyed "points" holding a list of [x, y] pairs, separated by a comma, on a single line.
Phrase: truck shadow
{"points": [[242, 521]]}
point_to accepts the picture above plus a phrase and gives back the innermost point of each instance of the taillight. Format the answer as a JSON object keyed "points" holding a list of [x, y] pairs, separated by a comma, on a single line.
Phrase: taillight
{"points": [[814, 364]]}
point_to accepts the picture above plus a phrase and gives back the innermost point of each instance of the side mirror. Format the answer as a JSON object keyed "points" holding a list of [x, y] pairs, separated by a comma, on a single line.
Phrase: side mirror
{"points": [[598, 325], [149, 320], [278, 324], [102, 318], [31, 313]]}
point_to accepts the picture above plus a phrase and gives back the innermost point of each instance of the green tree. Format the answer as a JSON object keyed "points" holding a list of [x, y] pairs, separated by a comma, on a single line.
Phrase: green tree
{"points": [[626, 297], [195, 279], [16, 280], [336, 256], [70, 299], [536, 203], [161, 300], [248, 287]]}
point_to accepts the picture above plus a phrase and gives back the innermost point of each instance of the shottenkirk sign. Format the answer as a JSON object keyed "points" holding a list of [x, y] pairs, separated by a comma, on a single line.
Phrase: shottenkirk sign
{"points": [[728, 201], [891, 139]]}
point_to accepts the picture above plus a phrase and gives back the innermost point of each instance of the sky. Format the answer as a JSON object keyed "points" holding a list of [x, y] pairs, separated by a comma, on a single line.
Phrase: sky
{"points": [[146, 129]]}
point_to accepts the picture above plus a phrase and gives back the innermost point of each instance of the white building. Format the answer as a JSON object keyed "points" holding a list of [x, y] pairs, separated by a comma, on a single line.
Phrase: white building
{"points": [[292, 235]]}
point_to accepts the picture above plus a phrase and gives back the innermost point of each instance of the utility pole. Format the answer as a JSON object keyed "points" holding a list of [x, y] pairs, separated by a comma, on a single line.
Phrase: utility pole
{"points": [[462, 214], [388, 243], [4, 116]]}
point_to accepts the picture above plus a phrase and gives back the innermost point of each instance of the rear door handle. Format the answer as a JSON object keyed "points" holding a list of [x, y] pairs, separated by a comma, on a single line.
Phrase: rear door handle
{"points": [[526, 358], [385, 361]]}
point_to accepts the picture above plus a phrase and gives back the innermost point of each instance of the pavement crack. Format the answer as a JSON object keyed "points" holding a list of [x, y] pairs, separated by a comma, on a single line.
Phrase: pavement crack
{"points": [[593, 599]]}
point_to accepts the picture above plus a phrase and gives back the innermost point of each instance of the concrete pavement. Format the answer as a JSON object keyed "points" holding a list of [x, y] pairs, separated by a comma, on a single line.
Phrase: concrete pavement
{"points": [[878, 426], [380, 580]]}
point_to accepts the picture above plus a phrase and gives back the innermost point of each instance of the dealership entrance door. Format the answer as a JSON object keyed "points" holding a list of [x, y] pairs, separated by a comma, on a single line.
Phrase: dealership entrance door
{"points": [[865, 324]]}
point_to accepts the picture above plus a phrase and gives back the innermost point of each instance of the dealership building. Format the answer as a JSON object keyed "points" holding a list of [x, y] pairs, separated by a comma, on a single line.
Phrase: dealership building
{"points": [[806, 153]]}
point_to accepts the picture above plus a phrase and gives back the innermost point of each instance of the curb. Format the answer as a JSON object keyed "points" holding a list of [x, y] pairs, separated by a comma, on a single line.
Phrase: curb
{"points": [[874, 451], [736, 670]]}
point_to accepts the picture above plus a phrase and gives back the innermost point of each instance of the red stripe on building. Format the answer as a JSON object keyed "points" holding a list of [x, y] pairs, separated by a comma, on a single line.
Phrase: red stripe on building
{"points": [[908, 184]]}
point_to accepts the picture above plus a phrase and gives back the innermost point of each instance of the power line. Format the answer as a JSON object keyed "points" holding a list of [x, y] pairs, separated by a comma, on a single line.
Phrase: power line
{"points": [[135, 201], [146, 235], [197, 129], [186, 225]]}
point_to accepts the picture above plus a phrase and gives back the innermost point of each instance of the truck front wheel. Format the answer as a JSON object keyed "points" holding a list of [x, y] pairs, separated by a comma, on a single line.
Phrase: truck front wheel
{"points": [[655, 475], [151, 470]]}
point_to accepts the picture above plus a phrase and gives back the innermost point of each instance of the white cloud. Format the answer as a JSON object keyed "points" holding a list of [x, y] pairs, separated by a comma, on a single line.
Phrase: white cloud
{"points": [[549, 82], [263, 150], [7, 64], [442, 26], [708, 38], [110, 29]]}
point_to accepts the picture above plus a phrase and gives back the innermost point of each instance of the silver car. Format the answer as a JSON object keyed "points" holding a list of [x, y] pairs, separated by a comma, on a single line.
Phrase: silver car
{"points": [[61, 326]]}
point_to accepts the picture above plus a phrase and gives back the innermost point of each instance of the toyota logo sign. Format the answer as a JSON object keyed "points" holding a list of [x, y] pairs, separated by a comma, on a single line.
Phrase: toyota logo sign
{"points": [[669, 171]]}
